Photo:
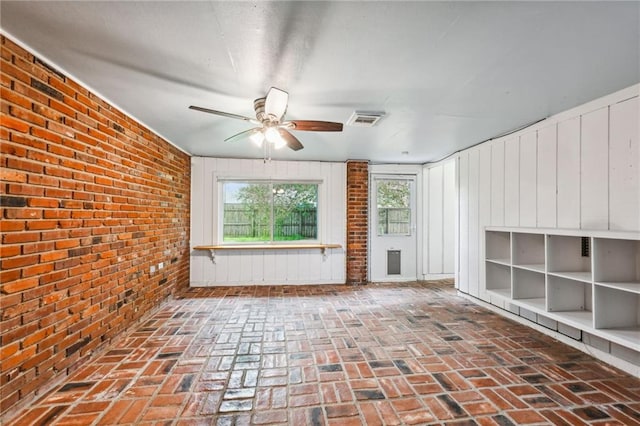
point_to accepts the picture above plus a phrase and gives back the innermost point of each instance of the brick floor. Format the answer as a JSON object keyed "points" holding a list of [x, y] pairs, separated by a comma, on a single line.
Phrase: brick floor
{"points": [[388, 354]]}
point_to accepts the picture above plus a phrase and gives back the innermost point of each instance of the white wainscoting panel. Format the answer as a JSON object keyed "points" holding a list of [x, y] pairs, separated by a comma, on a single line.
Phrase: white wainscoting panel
{"points": [[440, 202], [624, 163], [462, 281], [497, 182], [528, 180], [450, 203], [435, 219], [474, 214], [568, 202], [594, 168], [546, 173], [512, 182]]}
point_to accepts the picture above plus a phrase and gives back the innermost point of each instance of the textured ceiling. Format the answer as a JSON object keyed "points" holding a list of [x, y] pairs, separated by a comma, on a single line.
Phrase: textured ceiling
{"points": [[448, 74]]}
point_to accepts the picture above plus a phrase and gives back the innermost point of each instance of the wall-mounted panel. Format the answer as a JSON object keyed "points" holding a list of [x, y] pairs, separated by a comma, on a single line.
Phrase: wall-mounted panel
{"points": [[474, 222], [528, 179], [624, 163], [546, 174], [435, 220], [568, 201], [512, 182], [440, 205], [463, 218], [497, 182], [594, 168], [449, 202], [484, 209]]}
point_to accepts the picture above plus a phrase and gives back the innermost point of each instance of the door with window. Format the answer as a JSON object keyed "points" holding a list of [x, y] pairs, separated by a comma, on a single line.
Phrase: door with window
{"points": [[393, 241]]}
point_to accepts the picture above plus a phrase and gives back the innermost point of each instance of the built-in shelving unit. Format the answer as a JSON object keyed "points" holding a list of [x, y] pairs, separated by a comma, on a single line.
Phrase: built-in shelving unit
{"points": [[588, 280]]}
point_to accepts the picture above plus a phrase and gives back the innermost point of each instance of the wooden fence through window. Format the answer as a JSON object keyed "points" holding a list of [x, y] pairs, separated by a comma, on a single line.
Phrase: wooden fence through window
{"points": [[243, 222]]}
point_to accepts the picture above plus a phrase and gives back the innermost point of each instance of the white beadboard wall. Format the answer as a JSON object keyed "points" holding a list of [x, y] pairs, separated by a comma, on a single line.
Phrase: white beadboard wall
{"points": [[579, 169], [440, 205], [265, 267]]}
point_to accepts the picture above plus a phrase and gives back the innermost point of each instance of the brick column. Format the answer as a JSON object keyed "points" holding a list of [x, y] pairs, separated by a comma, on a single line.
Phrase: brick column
{"points": [[357, 221]]}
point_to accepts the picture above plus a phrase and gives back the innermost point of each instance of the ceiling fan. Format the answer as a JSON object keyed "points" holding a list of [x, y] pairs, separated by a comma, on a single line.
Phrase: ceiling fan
{"points": [[272, 127]]}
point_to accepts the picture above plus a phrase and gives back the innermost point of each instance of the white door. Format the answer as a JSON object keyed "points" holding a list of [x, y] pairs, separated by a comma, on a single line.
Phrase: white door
{"points": [[393, 228]]}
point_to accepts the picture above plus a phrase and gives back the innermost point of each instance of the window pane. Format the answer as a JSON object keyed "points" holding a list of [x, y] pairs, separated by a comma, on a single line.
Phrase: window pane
{"points": [[295, 211], [394, 209], [247, 212], [265, 211]]}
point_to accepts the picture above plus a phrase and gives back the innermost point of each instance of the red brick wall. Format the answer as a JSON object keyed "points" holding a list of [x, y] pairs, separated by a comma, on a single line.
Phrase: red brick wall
{"points": [[90, 200], [357, 221]]}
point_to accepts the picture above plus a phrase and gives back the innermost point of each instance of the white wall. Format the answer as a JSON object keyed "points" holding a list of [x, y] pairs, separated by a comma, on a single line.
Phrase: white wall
{"points": [[439, 219], [267, 266], [579, 170]]}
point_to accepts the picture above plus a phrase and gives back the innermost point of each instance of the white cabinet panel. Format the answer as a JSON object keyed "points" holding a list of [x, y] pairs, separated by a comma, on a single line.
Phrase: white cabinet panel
{"points": [[568, 200], [528, 180], [546, 209], [624, 166], [512, 182], [497, 183], [594, 158]]}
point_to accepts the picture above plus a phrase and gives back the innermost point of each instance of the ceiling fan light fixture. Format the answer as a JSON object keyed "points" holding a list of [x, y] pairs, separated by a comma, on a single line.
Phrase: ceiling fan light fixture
{"points": [[257, 138], [279, 143], [271, 134]]}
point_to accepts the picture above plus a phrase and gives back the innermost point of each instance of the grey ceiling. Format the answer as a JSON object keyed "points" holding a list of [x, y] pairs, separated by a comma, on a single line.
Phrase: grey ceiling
{"points": [[448, 74]]}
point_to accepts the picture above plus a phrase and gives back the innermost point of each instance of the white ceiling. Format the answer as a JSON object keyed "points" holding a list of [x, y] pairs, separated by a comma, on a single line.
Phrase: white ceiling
{"points": [[448, 74]]}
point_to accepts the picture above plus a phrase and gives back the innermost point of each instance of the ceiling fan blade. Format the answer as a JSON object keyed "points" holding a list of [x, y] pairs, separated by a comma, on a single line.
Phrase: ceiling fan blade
{"points": [[242, 134], [315, 126], [276, 103], [292, 141], [223, 114]]}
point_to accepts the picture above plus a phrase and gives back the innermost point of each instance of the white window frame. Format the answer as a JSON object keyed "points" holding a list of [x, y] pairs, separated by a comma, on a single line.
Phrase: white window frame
{"points": [[219, 226]]}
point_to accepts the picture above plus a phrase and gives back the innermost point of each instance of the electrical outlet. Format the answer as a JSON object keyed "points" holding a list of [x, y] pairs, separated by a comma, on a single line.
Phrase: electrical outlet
{"points": [[152, 269], [584, 249], [160, 265]]}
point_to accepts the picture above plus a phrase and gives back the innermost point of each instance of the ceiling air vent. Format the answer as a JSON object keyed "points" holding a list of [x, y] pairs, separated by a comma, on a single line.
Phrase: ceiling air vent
{"points": [[365, 118]]}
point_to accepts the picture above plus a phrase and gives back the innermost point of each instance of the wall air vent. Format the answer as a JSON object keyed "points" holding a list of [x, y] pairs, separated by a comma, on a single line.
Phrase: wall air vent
{"points": [[365, 118]]}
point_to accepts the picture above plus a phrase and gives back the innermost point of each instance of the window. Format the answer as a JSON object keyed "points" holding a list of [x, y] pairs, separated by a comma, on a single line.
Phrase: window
{"points": [[394, 209], [269, 211]]}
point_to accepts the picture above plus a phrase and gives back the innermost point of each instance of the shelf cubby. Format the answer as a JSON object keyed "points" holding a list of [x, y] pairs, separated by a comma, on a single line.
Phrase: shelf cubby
{"points": [[567, 258], [616, 308], [499, 279], [528, 284], [498, 247], [618, 311], [568, 295], [528, 251], [617, 261]]}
